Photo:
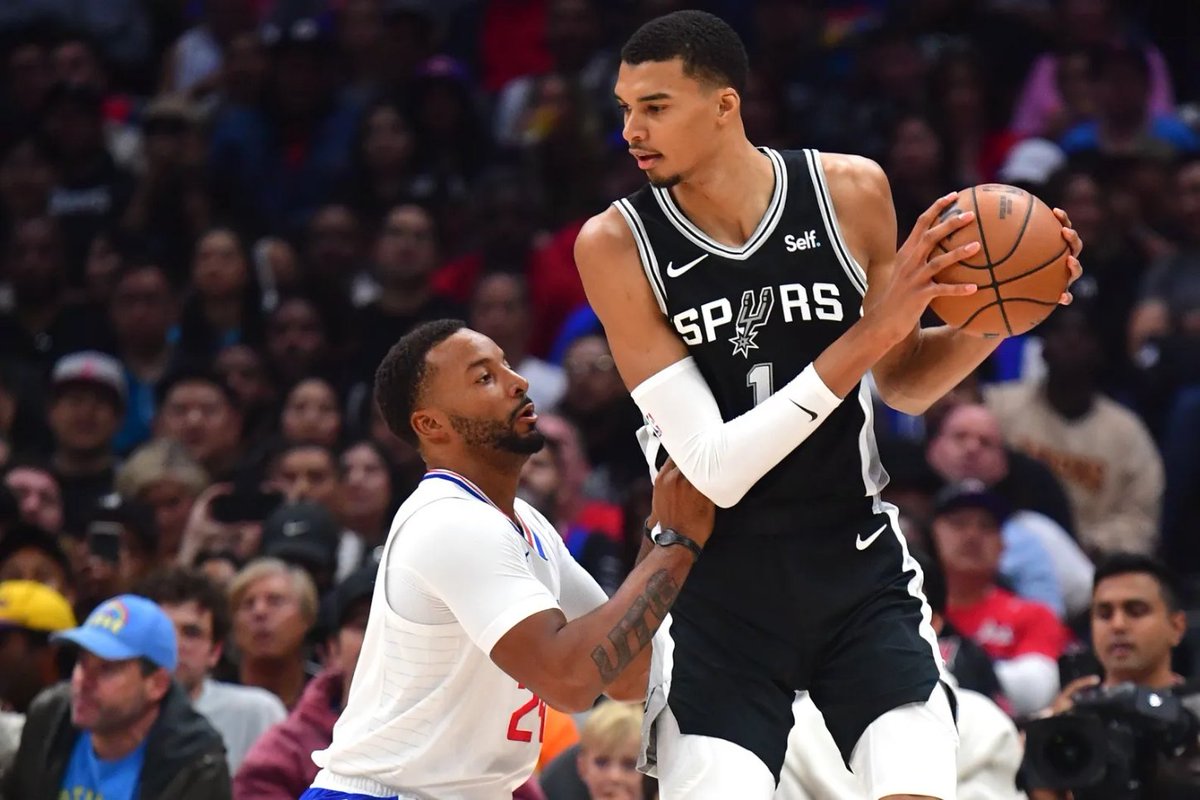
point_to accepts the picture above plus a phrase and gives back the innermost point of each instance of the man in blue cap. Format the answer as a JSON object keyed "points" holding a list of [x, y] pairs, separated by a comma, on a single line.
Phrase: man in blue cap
{"points": [[121, 729]]}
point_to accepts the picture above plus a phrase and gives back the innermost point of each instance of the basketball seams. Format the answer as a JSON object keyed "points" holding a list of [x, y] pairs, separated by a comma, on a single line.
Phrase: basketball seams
{"points": [[1038, 268], [990, 267]]}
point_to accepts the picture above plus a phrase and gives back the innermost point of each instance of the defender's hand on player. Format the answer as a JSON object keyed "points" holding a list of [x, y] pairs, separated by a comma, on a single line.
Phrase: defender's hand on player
{"points": [[678, 505], [912, 286], [1072, 237]]}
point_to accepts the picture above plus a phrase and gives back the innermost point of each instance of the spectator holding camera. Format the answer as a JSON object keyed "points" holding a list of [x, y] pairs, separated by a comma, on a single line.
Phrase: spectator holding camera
{"points": [[1137, 619]]}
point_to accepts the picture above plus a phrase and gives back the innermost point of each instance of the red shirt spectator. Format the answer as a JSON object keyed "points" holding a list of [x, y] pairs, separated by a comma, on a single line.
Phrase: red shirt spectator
{"points": [[1007, 626]]}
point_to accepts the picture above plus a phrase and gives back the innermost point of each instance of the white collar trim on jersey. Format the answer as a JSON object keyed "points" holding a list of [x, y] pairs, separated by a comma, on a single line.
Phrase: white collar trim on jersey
{"points": [[766, 226]]}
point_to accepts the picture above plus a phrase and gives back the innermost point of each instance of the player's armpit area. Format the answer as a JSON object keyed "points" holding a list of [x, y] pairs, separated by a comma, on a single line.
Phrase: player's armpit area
{"points": [[642, 341]]}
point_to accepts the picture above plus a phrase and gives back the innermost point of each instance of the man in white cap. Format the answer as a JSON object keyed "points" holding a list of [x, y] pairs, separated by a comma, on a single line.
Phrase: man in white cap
{"points": [[87, 401]]}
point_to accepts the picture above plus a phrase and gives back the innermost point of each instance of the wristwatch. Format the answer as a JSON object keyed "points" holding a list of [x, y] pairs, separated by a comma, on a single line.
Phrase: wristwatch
{"points": [[665, 537]]}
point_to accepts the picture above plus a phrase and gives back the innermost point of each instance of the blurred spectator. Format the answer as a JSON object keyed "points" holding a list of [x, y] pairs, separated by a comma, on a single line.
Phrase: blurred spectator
{"points": [[38, 494], [369, 497], [273, 165], [1047, 103], [29, 662], [28, 77], [597, 404], [966, 443], [245, 371], [225, 306], [274, 605], [604, 763], [1124, 123], [121, 543], [169, 206], [1116, 262], [311, 414], [405, 256], [383, 175], [121, 722], [77, 60], [42, 325], [299, 340], [200, 411], [200, 612], [162, 476], [335, 256], [86, 404], [976, 137], [28, 553], [305, 534], [193, 63], [1040, 560], [1023, 638], [363, 41], [1101, 451], [280, 765], [1165, 325], [26, 178], [107, 255], [243, 78], [29, 613], [142, 313], [92, 191], [500, 310], [918, 166]]}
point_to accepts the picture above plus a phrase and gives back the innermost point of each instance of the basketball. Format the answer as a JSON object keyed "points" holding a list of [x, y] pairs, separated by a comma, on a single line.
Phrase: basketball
{"points": [[1020, 267]]}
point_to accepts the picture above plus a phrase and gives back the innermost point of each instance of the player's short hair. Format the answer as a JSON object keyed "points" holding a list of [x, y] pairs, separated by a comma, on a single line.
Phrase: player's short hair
{"points": [[175, 586], [710, 49], [611, 726], [402, 373], [1136, 563]]}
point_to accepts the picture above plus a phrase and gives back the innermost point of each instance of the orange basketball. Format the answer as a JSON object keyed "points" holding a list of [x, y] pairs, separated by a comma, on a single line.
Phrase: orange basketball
{"points": [[1020, 267]]}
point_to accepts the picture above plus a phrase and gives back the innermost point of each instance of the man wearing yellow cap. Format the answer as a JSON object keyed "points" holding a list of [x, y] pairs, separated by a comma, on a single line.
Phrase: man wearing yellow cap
{"points": [[29, 662]]}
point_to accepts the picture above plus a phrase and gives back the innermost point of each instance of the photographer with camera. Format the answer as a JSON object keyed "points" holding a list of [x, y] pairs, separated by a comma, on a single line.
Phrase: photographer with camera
{"points": [[1130, 730]]}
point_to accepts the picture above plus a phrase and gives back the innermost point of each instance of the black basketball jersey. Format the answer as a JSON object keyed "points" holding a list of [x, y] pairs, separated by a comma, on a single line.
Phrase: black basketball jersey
{"points": [[755, 316]]}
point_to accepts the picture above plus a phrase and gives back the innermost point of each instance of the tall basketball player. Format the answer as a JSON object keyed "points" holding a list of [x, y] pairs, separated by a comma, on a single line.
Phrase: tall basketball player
{"points": [[480, 616], [745, 293]]}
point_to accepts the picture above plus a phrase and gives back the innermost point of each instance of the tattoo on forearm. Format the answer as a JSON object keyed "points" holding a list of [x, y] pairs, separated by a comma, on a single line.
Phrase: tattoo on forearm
{"points": [[657, 598]]}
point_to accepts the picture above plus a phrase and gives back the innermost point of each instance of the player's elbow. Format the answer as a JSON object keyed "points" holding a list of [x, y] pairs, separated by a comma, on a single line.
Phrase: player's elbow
{"points": [[571, 699], [897, 397]]}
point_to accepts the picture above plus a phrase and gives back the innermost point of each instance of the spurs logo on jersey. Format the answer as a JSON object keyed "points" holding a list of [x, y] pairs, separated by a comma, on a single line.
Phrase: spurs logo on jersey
{"points": [[752, 317], [797, 303]]}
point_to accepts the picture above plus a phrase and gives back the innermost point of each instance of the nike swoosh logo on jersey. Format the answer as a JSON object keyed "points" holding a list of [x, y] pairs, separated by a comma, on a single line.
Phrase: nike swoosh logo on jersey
{"points": [[812, 414], [863, 544], [675, 273]]}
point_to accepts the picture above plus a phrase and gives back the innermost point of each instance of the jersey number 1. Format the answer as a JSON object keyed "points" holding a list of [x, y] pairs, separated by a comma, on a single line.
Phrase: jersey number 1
{"points": [[515, 733], [761, 380]]}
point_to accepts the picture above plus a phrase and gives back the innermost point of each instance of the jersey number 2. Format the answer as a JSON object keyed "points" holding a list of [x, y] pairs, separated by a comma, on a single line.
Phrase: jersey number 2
{"points": [[515, 733], [761, 380]]}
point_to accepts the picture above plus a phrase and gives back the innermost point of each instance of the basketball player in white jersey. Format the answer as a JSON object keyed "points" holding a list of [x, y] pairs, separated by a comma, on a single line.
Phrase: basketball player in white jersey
{"points": [[480, 616]]}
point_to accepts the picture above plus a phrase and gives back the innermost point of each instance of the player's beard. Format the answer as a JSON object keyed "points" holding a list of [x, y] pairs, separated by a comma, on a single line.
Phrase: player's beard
{"points": [[497, 435], [667, 182]]}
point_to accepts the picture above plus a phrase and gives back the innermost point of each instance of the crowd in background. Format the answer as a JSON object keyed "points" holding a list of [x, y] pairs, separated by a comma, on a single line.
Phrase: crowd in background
{"points": [[216, 216]]}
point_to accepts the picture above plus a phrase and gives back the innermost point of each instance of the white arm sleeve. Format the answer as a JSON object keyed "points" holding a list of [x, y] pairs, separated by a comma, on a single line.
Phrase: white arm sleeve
{"points": [[724, 459], [1030, 681], [472, 561]]}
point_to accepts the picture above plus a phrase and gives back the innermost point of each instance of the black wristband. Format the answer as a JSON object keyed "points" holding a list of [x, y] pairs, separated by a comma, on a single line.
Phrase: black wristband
{"points": [[669, 536]]}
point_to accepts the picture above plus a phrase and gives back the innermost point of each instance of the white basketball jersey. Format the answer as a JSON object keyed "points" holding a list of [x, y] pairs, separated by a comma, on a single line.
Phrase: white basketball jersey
{"points": [[429, 715]]}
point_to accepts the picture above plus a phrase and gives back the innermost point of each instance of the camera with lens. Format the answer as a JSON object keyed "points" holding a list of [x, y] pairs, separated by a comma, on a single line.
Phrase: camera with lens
{"points": [[1111, 744]]}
